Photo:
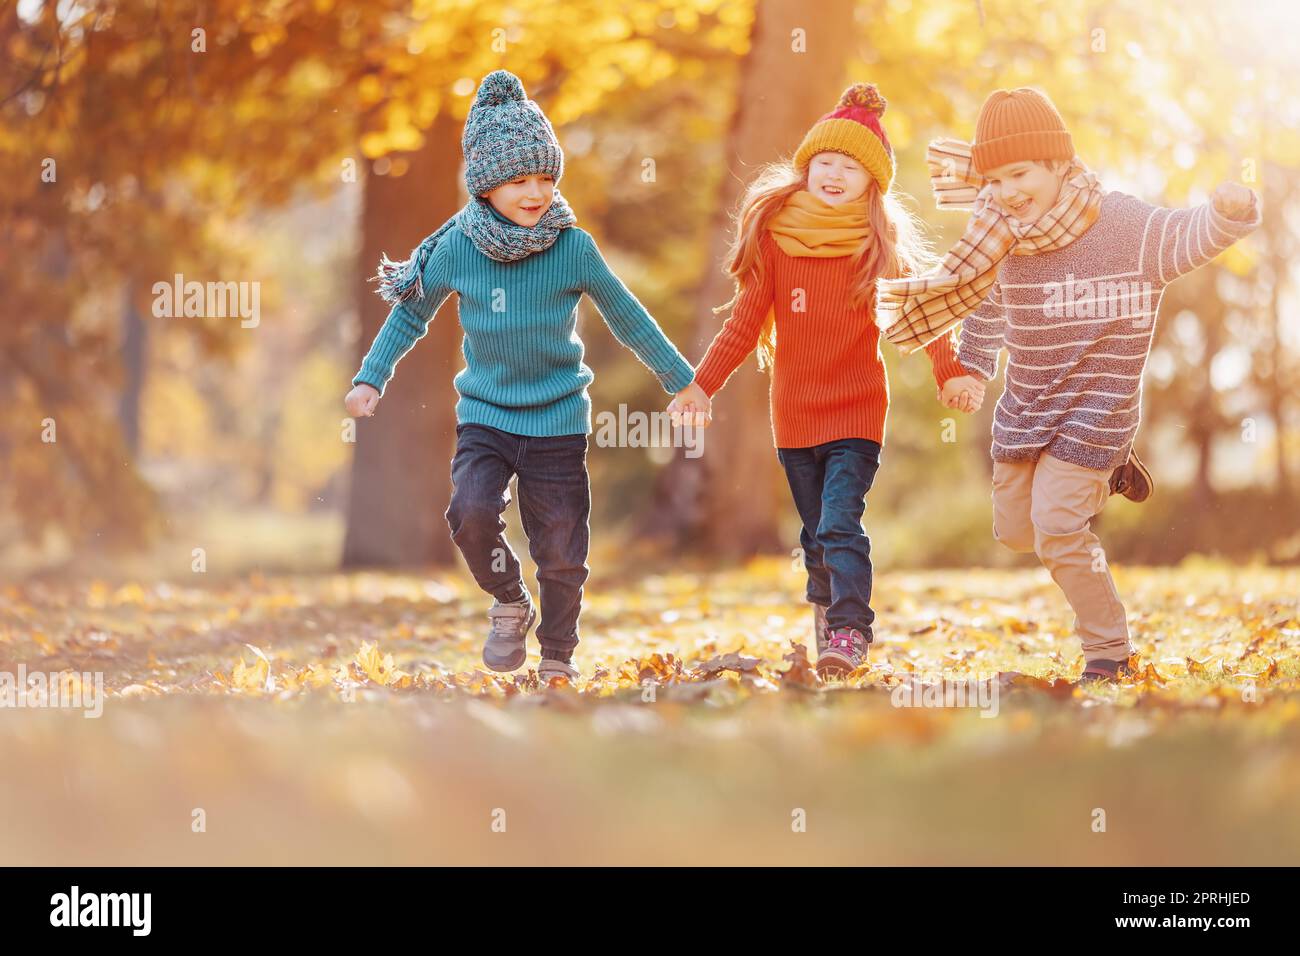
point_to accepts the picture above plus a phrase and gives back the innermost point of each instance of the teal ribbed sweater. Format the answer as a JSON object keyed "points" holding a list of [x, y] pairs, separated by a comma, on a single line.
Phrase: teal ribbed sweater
{"points": [[524, 371]]}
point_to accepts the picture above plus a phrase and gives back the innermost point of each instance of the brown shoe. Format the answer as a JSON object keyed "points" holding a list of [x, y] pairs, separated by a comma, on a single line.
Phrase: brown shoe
{"points": [[1132, 480], [1105, 671]]}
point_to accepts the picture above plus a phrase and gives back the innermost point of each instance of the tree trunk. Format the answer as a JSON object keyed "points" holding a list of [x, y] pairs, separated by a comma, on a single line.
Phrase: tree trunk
{"points": [[1277, 409], [134, 365], [729, 502], [1277, 385], [1207, 418], [401, 475]]}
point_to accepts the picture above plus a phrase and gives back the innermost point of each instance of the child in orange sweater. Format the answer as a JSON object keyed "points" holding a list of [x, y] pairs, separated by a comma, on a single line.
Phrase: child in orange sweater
{"points": [[814, 234]]}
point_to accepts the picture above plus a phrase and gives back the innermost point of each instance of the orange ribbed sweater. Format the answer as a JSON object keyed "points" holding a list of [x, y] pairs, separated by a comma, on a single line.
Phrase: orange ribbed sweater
{"points": [[828, 379]]}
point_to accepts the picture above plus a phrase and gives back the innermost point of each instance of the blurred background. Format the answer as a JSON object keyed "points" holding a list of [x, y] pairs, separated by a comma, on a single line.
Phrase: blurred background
{"points": [[287, 144]]}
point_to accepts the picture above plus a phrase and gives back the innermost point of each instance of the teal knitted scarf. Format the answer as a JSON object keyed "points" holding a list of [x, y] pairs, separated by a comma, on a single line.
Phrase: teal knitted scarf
{"points": [[492, 234]]}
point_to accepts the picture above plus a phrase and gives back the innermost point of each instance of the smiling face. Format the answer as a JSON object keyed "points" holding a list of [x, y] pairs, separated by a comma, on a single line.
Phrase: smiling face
{"points": [[1025, 190], [524, 200], [836, 179]]}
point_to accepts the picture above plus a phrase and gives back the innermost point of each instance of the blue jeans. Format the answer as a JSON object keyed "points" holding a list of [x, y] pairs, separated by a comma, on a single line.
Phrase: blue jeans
{"points": [[830, 484], [554, 503]]}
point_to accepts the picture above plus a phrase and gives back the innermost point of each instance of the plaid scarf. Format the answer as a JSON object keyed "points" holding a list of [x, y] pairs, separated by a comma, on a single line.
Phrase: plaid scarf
{"points": [[915, 312], [493, 235]]}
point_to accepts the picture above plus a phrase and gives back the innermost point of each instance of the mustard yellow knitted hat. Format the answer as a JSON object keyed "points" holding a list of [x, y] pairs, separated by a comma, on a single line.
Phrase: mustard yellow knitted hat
{"points": [[853, 128]]}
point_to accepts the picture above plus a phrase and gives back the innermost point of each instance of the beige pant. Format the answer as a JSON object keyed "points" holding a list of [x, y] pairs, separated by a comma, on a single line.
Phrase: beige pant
{"points": [[1046, 506]]}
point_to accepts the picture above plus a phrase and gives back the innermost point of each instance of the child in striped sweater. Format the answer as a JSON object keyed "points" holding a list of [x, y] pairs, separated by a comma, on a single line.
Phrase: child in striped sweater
{"points": [[519, 264], [813, 236], [1068, 278]]}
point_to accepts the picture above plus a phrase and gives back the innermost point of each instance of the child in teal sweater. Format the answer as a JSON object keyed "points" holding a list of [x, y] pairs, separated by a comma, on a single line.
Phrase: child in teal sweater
{"points": [[519, 264]]}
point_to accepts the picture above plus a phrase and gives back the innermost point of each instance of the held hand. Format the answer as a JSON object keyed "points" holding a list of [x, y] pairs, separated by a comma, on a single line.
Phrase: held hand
{"points": [[963, 392], [691, 406], [1233, 200], [361, 401], [967, 402]]}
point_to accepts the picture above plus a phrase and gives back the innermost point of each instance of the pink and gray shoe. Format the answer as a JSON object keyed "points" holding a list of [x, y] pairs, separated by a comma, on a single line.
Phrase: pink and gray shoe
{"points": [[845, 652]]}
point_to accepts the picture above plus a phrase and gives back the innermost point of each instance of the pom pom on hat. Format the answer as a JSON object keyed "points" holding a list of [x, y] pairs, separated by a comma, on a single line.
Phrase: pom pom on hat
{"points": [[864, 96], [500, 86]]}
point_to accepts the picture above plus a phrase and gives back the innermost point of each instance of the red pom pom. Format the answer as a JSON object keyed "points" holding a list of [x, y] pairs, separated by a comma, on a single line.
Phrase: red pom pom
{"points": [[864, 95]]}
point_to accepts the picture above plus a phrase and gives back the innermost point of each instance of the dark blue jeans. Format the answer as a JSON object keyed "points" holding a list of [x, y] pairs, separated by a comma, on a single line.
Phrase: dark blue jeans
{"points": [[554, 503], [830, 484]]}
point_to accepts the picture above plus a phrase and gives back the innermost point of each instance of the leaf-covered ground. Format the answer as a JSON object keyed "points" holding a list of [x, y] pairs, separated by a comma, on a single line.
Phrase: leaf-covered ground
{"points": [[346, 719]]}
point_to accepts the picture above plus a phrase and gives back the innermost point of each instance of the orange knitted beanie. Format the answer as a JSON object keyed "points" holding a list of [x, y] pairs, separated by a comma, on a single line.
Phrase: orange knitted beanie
{"points": [[1016, 125]]}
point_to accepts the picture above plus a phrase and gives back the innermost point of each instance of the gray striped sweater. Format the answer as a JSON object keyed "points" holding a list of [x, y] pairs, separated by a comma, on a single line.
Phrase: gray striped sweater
{"points": [[1078, 323]]}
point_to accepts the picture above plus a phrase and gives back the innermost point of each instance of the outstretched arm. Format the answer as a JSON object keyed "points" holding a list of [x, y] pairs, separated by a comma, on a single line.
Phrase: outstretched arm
{"points": [[739, 333], [407, 323], [1180, 240], [631, 324]]}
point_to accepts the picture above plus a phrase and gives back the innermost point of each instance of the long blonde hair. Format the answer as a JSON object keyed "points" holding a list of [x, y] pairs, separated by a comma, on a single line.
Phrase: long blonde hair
{"points": [[897, 247]]}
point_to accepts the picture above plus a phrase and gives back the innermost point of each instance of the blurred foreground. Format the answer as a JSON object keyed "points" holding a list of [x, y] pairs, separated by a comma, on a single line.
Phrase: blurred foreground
{"points": [[342, 719]]}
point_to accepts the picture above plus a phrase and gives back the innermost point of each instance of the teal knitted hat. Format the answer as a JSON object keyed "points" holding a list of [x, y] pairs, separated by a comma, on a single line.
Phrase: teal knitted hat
{"points": [[507, 136]]}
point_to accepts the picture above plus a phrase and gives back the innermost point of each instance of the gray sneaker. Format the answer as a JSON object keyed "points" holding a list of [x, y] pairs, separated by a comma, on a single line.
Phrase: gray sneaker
{"points": [[819, 627], [549, 669], [506, 647], [846, 651]]}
